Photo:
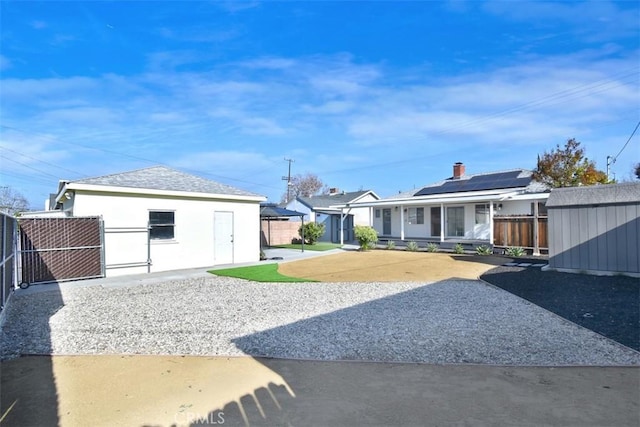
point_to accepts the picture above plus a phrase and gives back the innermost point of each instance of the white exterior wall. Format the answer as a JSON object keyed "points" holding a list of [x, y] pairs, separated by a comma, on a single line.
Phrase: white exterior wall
{"points": [[362, 216], [295, 205], [193, 243]]}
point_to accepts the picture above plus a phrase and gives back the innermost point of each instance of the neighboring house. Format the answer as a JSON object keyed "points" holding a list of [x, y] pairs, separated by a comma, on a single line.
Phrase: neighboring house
{"points": [[173, 219], [326, 209], [595, 229], [459, 209]]}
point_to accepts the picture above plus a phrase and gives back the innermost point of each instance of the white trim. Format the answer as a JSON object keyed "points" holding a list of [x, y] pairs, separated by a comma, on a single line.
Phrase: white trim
{"points": [[471, 197], [153, 192]]}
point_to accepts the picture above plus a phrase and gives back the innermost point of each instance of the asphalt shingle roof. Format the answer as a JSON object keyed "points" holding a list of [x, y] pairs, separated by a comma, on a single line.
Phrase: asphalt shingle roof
{"points": [[627, 192], [166, 179], [326, 201]]}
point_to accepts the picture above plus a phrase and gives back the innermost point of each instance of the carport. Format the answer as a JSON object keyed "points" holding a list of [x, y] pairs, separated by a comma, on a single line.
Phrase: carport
{"points": [[271, 211]]}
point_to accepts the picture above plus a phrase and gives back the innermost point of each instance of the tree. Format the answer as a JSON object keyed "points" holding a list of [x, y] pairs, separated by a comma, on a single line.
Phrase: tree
{"points": [[305, 186], [12, 202], [567, 167]]}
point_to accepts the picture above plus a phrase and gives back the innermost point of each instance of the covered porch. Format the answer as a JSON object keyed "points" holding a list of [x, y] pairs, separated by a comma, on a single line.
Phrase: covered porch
{"points": [[449, 220]]}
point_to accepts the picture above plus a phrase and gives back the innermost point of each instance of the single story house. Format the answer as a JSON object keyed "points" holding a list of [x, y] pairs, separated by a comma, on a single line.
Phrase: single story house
{"points": [[160, 219], [458, 209], [326, 209], [595, 229]]}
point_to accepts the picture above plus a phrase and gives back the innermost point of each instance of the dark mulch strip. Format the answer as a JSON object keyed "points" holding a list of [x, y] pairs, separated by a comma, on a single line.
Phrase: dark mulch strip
{"points": [[608, 305]]}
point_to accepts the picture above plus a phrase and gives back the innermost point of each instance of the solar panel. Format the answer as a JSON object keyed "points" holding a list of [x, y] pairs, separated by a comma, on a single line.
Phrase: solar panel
{"points": [[478, 183]]}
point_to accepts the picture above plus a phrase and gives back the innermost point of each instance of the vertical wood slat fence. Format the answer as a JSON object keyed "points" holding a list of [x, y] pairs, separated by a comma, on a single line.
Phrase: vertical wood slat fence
{"points": [[7, 257], [57, 249], [518, 231]]}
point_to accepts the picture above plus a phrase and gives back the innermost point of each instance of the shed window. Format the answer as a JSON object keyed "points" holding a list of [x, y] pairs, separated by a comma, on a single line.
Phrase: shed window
{"points": [[161, 225]]}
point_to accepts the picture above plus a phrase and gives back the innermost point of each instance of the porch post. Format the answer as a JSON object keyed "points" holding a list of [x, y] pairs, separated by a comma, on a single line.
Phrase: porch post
{"points": [[341, 226], [491, 223], [401, 222], [536, 240], [441, 222]]}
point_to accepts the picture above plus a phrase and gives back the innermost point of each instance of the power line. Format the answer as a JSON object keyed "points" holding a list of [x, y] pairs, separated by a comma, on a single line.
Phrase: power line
{"points": [[612, 160], [153, 162], [41, 161], [625, 144]]}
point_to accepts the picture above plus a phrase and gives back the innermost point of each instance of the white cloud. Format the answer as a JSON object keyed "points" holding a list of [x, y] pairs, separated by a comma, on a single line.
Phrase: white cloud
{"points": [[367, 114], [593, 20]]}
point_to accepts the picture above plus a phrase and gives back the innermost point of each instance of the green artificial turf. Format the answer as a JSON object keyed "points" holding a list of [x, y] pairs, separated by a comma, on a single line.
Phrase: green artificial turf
{"points": [[314, 247], [258, 273]]}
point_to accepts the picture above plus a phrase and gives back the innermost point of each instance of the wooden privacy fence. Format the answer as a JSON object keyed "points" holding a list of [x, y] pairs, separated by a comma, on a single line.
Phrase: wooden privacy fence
{"points": [[520, 231], [56, 249]]}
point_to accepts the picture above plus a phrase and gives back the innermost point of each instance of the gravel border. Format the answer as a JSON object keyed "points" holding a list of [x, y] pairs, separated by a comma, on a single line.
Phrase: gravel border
{"points": [[453, 321]]}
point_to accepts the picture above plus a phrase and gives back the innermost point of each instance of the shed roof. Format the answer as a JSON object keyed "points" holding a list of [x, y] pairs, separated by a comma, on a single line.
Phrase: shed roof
{"points": [[275, 211], [164, 179], [626, 192]]}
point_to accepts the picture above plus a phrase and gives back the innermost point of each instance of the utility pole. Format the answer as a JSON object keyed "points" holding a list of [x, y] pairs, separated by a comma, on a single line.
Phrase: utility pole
{"points": [[288, 179], [610, 161]]}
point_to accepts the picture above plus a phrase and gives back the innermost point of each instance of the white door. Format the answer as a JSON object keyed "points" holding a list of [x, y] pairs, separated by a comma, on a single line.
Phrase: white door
{"points": [[223, 237]]}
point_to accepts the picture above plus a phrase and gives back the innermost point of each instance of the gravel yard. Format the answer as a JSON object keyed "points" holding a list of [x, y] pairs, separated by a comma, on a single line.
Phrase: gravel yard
{"points": [[450, 321]]}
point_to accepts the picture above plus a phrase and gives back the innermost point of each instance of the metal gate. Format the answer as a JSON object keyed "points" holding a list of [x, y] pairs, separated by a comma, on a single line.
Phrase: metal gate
{"points": [[7, 256], [58, 249]]}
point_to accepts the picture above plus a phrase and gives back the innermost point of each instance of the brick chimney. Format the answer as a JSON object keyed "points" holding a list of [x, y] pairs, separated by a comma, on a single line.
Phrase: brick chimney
{"points": [[458, 170]]}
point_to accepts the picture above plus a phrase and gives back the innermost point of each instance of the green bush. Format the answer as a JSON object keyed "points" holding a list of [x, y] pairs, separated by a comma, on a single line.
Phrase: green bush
{"points": [[412, 246], [432, 247], [515, 252], [458, 249], [483, 250], [366, 236], [312, 232], [391, 244]]}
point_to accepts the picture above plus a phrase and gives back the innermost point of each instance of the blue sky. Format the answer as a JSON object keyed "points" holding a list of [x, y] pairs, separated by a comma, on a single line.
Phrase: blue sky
{"points": [[367, 95]]}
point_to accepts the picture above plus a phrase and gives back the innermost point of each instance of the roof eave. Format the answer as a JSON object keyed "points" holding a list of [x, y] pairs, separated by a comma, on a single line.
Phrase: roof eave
{"points": [[494, 195], [154, 192]]}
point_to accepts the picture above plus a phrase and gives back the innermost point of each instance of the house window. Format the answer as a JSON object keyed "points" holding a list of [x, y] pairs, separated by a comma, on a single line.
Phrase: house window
{"points": [[377, 213], [416, 215], [161, 225], [542, 208], [482, 214]]}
